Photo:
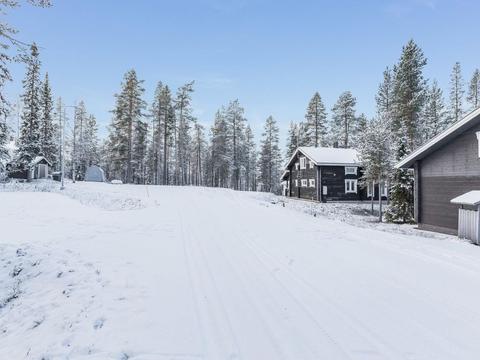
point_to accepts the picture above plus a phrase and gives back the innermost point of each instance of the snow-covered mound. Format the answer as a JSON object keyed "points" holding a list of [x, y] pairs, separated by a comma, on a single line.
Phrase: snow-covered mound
{"points": [[100, 195]]}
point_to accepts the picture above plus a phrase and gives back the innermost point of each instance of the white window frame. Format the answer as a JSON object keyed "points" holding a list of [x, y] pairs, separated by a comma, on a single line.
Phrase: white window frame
{"points": [[311, 182], [312, 165], [351, 170], [384, 189], [350, 186], [297, 166], [304, 183], [303, 163], [369, 190], [296, 183]]}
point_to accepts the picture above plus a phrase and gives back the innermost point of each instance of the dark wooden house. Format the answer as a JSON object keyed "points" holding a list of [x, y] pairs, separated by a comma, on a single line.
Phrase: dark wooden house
{"points": [[326, 174], [445, 167]]}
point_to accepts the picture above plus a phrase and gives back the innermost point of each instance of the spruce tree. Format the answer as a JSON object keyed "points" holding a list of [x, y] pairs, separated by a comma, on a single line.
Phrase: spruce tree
{"points": [[92, 151], [139, 152], [270, 157], [48, 130], [456, 93], [29, 143], [408, 102], [344, 120], [316, 127], [198, 154], [435, 114], [473, 96], [220, 158]]}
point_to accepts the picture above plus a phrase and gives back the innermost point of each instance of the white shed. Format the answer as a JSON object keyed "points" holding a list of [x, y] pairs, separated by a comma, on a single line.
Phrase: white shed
{"points": [[95, 173], [469, 215]]}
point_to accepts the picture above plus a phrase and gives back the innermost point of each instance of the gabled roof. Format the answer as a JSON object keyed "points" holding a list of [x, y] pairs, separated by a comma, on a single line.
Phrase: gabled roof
{"points": [[37, 159], [470, 120], [328, 156], [469, 198]]}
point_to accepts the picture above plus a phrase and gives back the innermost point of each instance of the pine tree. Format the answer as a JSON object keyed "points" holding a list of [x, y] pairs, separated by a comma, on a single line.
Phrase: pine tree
{"points": [[198, 154], [127, 113], [3, 148], [456, 93], [29, 145], [408, 102], [473, 96], [79, 163], [250, 160], [292, 139], [92, 151], [220, 151], [344, 121], [435, 115], [48, 130], [182, 144], [384, 97], [316, 127], [270, 157], [235, 119], [139, 152], [7, 41]]}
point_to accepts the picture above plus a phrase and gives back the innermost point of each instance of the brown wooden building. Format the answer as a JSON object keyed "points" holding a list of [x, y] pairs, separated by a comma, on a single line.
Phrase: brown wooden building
{"points": [[445, 167], [326, 174]]}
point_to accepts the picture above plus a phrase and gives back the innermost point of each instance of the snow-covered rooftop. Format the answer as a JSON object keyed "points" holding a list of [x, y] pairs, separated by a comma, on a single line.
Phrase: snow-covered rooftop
{"points": [[333, 156], [469, 198]]}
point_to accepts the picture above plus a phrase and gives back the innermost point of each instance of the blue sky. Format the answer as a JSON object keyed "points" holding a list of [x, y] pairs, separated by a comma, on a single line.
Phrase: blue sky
{"points": [[271, 55]]}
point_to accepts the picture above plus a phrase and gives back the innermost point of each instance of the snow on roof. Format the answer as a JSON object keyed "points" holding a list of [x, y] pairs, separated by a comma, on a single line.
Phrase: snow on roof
{"points": [[469, 198], [37, 159], [330, 156], [468, 121]]}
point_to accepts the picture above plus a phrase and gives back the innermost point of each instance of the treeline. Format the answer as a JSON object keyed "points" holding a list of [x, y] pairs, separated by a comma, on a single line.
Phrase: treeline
{"points": [[163, 143]]}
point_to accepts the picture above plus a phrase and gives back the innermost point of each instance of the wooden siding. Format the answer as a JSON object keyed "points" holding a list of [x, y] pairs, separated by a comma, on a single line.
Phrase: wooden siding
{"points": [[437, 191], [446, 173], [299, 191]]}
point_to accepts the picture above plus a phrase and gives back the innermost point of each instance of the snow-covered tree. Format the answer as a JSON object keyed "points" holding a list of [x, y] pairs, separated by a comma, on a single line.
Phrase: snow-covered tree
{"points": [[407, 108], [91, 143], [184, 117], [127, 113], [376, 153], [435, 114], [139, 152], [198, 154], [292, 139], [29, 145], [235, 119], [8, 40], [219, 157], [456, 93], [250, 160], [384, 97], [3, 148], [269, 162], [473, 96], [344, 120], [316, 126], [48, 129]]}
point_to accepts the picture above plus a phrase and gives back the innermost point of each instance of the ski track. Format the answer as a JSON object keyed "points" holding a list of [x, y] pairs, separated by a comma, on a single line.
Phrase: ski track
{"points": [[215, 274]]}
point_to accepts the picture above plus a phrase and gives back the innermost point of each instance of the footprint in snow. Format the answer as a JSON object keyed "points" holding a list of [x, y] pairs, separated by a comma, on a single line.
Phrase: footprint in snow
{"points": [[98, 324]]}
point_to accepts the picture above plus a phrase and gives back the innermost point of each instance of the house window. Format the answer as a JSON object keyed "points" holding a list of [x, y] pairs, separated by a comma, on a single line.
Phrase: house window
{"points": [[303, 163], [370, 190], [350, 170], [311, 183], [296, 183], [304, 182], [312, 165], [287, 185], [383, 189], [350, 186], [297, 165]]}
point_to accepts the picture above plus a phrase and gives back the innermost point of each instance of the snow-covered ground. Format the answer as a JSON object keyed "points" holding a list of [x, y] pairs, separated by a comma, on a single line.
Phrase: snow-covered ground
{"points": [[194, 273]]}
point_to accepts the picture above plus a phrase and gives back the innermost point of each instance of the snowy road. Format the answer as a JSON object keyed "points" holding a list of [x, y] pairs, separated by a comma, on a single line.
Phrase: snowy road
{"points": [[214, 274]]}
